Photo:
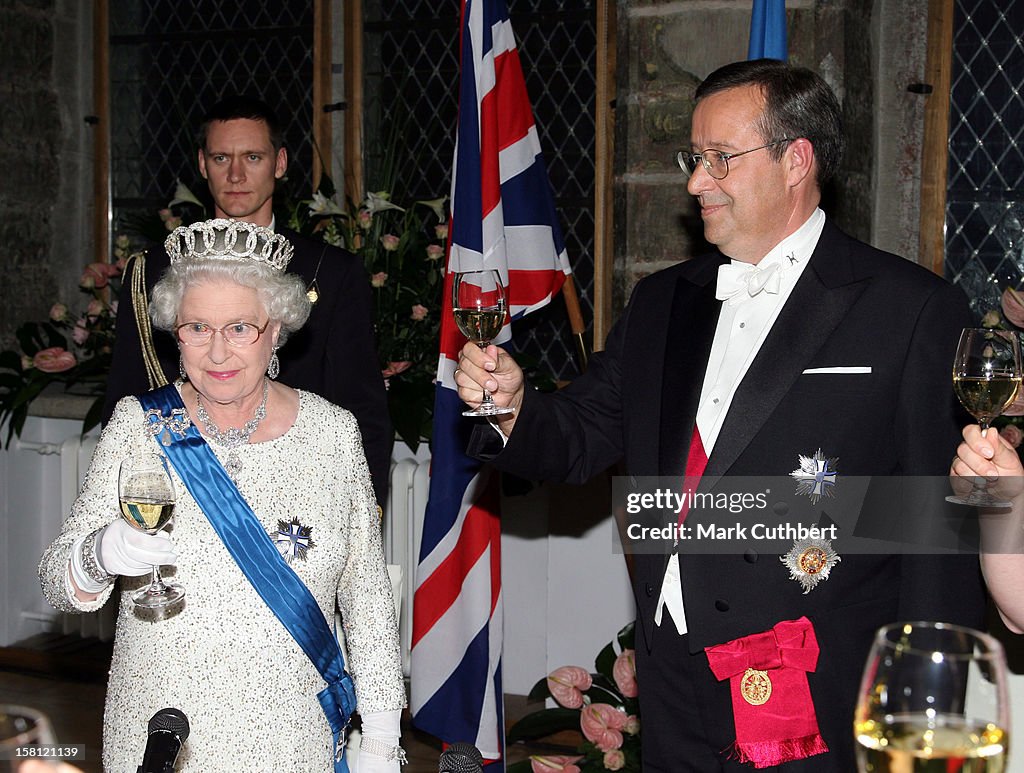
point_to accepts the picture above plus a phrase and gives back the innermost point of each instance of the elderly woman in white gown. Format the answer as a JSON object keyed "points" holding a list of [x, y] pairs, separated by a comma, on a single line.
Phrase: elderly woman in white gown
{"points": [[221, 654]]}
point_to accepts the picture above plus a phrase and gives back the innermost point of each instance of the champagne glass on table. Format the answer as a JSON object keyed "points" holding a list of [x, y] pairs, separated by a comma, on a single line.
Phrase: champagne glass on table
{"points": [[479, 305], [146, 492], [986, 378], [933, 699]]}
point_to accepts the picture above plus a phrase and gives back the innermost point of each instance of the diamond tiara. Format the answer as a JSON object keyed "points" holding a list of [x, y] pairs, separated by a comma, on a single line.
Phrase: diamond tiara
{"points": [[229, 240]]}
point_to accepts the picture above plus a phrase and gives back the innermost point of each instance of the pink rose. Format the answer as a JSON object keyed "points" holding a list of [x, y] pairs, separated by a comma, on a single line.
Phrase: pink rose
{"points": [[378, 279], [419, 312], [624, 673], [441, 231], [95, 308], [1012, 434], [1013, 306], [632, 725], [567, 685], [602, 725], [364, 218], [80, 333], [58, 312], [165, 214], [614, 759], [554, 762], [172, 222], [435, 252], [389, 242], [95, 276], [54, 360], [394, 368]]}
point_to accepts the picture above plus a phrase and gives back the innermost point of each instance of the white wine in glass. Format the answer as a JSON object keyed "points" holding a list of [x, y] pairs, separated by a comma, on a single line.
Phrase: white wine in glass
{"points": [[479, 306], [933, 699], [147, 498], [986, 379]]}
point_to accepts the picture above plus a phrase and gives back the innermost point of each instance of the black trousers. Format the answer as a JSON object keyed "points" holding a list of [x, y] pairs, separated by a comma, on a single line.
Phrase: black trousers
{"points": [[686, 715]]}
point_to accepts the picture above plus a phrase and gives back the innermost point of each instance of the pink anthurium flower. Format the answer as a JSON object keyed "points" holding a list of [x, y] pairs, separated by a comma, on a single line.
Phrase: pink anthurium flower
{"points": [[567, 685]]}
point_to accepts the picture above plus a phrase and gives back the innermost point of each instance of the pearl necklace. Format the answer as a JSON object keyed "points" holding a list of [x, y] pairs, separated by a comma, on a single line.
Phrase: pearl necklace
{"points": [[233, 437]]}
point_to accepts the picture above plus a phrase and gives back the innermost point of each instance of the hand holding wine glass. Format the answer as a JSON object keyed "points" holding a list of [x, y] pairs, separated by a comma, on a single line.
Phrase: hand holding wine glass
{"points": [[933, 698], [986, 379], [147, 497], [479, 306]]}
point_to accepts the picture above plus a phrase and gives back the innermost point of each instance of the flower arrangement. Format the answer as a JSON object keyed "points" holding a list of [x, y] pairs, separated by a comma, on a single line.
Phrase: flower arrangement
{"points": [[402, 249], [602, 707], [69, 349], [1010, 316]]}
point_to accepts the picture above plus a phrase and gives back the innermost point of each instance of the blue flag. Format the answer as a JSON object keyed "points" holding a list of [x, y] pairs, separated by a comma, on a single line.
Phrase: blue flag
{"points": [[768, 30]]}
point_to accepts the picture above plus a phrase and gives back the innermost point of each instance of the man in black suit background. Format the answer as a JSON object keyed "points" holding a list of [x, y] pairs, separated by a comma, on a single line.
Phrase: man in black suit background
{"points": [[792, 338], [241, 155]]}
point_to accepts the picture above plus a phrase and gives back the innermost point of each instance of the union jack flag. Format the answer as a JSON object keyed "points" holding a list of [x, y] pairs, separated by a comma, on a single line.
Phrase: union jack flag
{"points": [[503, 218]]}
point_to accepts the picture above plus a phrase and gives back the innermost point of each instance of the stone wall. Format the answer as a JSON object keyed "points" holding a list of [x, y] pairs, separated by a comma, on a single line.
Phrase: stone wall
{"points": [[45, 156], [30, 124], [665, 49]]}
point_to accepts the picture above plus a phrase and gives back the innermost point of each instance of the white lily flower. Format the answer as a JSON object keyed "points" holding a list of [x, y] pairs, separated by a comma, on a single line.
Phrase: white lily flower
{"points": [[321, 205], [182, 195], [438, 206], [380, 201]]}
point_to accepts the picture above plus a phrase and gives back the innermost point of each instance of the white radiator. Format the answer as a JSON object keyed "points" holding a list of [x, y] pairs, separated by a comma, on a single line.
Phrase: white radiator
{"points": [[40, 475], [403, 529]]}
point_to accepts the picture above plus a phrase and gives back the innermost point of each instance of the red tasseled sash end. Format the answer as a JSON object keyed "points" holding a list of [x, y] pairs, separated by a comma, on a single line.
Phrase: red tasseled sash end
{"points": [[765, 754]]}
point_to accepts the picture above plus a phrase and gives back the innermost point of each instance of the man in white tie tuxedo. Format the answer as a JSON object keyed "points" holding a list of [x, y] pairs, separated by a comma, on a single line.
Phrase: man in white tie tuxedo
{"points": [[791, 338]]}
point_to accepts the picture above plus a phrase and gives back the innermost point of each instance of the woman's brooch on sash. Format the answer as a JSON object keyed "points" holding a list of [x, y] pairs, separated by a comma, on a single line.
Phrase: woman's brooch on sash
{"points": [[293, 540], [162, 427]]}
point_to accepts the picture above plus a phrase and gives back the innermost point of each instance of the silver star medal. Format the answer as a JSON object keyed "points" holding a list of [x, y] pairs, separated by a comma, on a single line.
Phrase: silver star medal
{"points": [[810, 561], [293, 540], [816, 476], [162, 427]]}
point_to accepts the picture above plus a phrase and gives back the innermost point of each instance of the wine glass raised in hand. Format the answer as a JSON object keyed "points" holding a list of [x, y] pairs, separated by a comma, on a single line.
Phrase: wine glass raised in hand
{"points": [[933, 698], [147, 501], [986, 378], [478, 302]]}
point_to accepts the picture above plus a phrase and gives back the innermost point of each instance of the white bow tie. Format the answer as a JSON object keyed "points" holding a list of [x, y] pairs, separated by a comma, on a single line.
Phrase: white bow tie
{"points": [[737, 282]]}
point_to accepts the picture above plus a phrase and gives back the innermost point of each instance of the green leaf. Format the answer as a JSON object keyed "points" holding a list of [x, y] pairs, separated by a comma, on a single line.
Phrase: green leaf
{"points": [[540, 691], [10, 360], [93, 415], [543, 723], [627, 636], [605, 661]]}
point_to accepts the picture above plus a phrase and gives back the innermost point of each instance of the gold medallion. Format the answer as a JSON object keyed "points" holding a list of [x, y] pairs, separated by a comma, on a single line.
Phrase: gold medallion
{"points": [[756, 687]]}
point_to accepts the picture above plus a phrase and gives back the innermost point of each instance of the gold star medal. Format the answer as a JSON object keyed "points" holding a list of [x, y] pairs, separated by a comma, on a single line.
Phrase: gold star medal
{"points": [[810, 561]]}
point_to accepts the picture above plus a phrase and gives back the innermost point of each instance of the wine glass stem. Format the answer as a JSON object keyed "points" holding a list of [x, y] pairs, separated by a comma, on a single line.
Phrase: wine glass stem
{"points": [[156, 582], [486, 399]]}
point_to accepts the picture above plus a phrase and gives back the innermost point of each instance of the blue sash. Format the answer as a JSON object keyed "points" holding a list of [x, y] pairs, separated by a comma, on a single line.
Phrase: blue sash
{"points": [[243, 535]]}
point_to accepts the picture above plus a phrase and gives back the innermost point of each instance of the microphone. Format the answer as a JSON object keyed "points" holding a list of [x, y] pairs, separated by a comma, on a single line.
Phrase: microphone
{"points": [[168, 730], [460, 757]]}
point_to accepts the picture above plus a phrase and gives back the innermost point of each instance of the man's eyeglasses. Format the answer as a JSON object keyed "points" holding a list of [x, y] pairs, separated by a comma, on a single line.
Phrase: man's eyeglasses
{"points": [[235, 334], [715, 162]]}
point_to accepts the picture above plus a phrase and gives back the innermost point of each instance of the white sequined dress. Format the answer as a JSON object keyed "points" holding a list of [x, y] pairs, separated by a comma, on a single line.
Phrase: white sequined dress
{"points": [[221, 656]]}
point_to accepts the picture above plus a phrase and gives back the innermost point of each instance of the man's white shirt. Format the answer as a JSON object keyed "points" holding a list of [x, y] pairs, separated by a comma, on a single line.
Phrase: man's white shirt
{"points": [[743, 325]]}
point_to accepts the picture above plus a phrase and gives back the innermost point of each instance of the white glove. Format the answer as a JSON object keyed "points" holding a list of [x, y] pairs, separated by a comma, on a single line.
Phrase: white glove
{"points": [[120, 549], [381, 731]]}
